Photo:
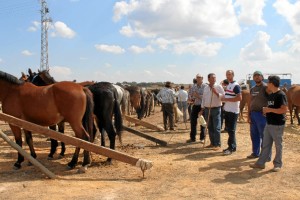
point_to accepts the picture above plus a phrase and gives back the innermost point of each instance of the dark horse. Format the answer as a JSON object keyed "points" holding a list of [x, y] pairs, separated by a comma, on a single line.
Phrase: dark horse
{"points": [[107, 106], [43, 78], [47, 105]]}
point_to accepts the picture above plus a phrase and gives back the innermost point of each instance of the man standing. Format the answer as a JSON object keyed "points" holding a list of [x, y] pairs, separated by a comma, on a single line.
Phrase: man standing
{"points": [[232, 100], [275, 115], [182, 101], [211, 104], [166, 97], [258, 100], [195, 95]]}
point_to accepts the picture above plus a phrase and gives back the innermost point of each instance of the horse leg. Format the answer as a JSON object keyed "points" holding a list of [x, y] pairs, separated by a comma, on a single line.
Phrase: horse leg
{"points": [[18, 138], [61, 129], [112, 138], [291, 108], [54, 144], [82, 134], [29, 142], [297, 114]]}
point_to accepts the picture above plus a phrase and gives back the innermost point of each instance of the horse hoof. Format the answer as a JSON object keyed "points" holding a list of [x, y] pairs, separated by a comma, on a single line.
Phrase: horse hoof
{"points": [[50, 158], [71, 166], [17, 166], [82, 169]]}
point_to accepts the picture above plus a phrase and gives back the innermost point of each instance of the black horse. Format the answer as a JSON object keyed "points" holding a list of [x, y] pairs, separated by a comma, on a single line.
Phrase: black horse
{"points": [[107, 106]]}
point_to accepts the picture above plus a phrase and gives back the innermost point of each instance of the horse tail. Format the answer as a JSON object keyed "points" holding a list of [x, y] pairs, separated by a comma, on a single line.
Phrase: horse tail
{"points": [[88, 120], [118, 118]]}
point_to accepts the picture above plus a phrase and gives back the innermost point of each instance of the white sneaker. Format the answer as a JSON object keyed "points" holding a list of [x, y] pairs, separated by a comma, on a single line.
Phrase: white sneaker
{"points": [[276, 169]]}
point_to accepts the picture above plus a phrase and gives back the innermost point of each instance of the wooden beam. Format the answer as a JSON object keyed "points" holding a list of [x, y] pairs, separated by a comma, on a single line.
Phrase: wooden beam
{"points": [[143, 123], [148, 137], [75, 141], [27, 155]]}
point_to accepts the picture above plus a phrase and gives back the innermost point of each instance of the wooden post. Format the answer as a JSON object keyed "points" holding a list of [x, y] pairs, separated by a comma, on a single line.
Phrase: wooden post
{"points": [[143, 123], [74, 141], [27, 155], [148, 137]]}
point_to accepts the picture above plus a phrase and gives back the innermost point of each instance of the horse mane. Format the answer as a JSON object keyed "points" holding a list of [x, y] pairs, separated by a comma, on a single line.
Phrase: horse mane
{"points": [[10, 78]]}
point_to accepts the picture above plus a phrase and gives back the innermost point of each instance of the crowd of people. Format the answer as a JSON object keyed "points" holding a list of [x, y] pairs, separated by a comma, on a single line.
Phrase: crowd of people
{"points": [[220, 102]]}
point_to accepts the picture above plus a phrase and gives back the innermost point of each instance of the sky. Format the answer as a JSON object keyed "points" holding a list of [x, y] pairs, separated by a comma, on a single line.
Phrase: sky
{"points": [[152, 40]]}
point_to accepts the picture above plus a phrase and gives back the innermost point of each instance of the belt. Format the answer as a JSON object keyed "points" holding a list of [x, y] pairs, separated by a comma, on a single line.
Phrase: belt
{"points": [[212, 107]]}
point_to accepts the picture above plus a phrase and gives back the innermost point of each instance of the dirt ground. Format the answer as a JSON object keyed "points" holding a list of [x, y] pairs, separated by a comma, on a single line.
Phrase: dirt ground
{"points": [[180, 170]]}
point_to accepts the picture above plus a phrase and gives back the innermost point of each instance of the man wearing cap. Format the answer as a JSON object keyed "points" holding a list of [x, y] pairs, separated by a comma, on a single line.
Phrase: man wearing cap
{"points": [[167, 97], [195, 95], [256, 118]]}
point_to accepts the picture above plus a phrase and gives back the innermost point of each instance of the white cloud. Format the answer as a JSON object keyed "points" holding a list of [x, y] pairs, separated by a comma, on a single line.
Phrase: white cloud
{"points": [[177, 19], [1, 60], [27, 53], [162, 43], [109, 48], [291, 12], [148, 73], [127, 31], [35, 26], [251, 11], [138, 50], [60, 73], [107, 65], [287, 38], [62, 30], [258, 49], [198, 48]]}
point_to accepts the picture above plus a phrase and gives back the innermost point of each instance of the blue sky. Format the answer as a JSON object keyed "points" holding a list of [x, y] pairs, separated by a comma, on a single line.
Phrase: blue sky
{"points": [[153, 40]]}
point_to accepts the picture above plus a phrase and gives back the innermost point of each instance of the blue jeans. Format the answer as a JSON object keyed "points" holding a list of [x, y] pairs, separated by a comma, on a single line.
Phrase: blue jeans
{"points": [[214, 125], [258, 123], [231, 121]]}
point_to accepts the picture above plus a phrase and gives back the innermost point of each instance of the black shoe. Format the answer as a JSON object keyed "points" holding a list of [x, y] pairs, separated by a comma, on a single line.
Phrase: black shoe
{"points": [[233, 150], [190, 141]]}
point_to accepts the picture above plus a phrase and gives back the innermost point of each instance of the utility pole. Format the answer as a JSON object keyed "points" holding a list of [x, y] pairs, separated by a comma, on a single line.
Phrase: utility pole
{"points": [[45, 22]]}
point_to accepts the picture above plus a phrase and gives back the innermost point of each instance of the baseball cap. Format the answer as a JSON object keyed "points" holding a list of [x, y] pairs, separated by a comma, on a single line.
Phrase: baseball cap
{"points": [[257, 73]]}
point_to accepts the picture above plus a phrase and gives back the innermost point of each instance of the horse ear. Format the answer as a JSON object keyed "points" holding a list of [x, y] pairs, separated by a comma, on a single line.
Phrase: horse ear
{"points": [[29, 71], [39, 71]]}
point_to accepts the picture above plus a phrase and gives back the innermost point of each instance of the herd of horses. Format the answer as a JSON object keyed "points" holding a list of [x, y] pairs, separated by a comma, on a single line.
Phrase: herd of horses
{"points": [[39, 99]]}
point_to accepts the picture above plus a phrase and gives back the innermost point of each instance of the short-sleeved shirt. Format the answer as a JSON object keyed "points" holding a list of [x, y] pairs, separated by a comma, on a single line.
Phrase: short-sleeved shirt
{"points": [[276, 100], [232, 90], [182, 95], [166, 95], [259, 97], [199, 90]]}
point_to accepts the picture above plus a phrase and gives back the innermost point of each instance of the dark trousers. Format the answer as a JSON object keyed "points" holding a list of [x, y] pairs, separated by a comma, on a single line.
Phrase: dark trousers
{"points": [[168, 113], [194, 116], [231, 121]]}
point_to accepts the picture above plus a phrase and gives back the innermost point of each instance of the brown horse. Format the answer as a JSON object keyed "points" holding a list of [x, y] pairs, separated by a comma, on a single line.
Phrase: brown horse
{"points": [[137, 99], [47, 105], [245, 101], [293, 96]]}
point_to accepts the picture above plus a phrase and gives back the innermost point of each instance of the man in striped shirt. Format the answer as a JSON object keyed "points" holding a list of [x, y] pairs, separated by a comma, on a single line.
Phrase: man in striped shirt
{"points": [[232, 100]]}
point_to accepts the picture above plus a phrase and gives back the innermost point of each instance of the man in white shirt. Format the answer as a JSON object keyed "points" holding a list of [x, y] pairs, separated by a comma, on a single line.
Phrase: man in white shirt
{"points": [[182, 101], [211, 104]]}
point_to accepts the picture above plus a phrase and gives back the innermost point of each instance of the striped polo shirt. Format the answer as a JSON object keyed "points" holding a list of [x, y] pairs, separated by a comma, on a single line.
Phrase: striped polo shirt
{"points": [[232, 90]]}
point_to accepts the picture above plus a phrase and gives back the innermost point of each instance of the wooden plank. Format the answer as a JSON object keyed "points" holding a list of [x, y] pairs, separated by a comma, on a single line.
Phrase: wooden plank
{"points": [[76, 141], [148, 137], [143, 123], [27, 155]]}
